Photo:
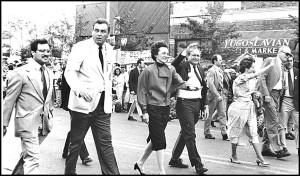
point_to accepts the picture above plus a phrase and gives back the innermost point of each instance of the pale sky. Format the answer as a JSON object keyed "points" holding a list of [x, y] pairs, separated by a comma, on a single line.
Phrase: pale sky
{"points": [[41, 13]]}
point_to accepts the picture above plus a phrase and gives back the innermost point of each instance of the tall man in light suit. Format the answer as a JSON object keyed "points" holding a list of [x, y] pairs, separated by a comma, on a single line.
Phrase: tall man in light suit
{"points": [[30, 92], [289, 103], [216, 98], [270, 85], [89, 74]]}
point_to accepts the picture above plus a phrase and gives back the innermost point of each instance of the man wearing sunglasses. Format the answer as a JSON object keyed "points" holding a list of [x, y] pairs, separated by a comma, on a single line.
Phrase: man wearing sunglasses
{"points": [[271, 85]]}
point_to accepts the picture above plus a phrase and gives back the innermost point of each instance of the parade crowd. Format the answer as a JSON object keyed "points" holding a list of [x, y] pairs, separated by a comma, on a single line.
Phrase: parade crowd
{"points": [[247, 103]]}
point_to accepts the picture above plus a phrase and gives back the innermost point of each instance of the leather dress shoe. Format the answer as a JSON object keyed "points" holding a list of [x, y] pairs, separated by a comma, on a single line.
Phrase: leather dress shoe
{"points": [[177, 163], [212, 123], [286, 151], [225, 137], [86, 160], [131, 118], [289, 136], [209, 136], [268, 153], [281, 154], [200, 169]]}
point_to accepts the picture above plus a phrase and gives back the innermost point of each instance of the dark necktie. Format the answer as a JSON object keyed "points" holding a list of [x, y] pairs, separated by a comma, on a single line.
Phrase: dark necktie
{"points": [[101, 56], [44, 82], [291, 87], [197, 74]]}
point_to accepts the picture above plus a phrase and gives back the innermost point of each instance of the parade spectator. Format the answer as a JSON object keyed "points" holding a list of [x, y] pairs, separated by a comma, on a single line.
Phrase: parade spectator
{"points": [[270, 86], [153, 94], [289, 103], [65, 92], [126, 91], [216, 98], [30, 94], [241, 113], [90, 78], [188, 105], [133, 82], [119, 82]]}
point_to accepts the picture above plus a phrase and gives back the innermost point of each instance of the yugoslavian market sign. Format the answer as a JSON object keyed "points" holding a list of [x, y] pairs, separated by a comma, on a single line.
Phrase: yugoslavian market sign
{"points": [[257, 45]]}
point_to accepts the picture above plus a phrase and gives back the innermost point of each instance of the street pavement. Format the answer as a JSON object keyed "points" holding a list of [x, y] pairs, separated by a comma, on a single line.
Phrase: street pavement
{"points": [[129, 141]]}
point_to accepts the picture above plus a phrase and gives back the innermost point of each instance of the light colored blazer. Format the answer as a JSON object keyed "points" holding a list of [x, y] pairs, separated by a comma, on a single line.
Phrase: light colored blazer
{"points": [[270, 78], [25, 95], [214, 83], [84, 71]]}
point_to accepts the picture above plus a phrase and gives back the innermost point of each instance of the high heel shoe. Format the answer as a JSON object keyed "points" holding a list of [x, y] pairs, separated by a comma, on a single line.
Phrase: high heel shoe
{"points": [[136, 167], [265, 164], [235, 161]]}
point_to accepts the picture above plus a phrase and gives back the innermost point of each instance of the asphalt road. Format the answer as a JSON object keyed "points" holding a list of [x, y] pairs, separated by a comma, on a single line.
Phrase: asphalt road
{"points": [[129, 140]]}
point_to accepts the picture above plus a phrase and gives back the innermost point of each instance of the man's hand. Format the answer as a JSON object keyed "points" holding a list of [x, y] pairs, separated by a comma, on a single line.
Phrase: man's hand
{"points": [[85, 94], [205, 113], [146, 118], [4, 130], [267, 99], [132, 92]]}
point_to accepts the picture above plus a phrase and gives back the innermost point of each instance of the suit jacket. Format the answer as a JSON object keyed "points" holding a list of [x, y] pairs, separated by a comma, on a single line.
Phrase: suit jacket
{"points": [[268, 80], [25, 95], [183, 67], [133, 79], [214, 83], [65, 92], [296, 91], [84, 71]]}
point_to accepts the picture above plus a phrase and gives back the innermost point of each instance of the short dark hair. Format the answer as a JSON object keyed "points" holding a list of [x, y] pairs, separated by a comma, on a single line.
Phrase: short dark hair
{"points": [[155, 48], [102, 21], [246, 62], [214, 58], [139, 61], [34, 44]]}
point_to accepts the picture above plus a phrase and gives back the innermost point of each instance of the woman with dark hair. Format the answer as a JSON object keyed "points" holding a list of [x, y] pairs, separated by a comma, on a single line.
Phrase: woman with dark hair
{"points": [[241, 113], [153, 94]]}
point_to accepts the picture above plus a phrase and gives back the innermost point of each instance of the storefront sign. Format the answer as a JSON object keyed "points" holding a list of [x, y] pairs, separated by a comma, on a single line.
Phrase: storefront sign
{"points": [[256, 45]]}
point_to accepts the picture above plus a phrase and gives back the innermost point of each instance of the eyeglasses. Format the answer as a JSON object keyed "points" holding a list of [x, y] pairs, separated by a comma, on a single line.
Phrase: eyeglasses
{"points": [[195, 55], [286, 54], [43, 51]]}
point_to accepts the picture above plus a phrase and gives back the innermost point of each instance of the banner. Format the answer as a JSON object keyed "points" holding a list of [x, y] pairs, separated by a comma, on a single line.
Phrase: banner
{"points": [[130, 57], [256, 45]]}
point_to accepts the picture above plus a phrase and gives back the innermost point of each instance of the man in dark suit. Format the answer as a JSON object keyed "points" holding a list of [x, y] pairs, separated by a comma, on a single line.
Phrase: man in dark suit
{"points": [[65, 92], [133, 82], [289, 103], [270, 85], [188, 106], [30, 93]]}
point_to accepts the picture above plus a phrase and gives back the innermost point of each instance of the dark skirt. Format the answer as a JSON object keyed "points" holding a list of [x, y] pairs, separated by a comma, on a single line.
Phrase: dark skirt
{"points": [[158, 119]]}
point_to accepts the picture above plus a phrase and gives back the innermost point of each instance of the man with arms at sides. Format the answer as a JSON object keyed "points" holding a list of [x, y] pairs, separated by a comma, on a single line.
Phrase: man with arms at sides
{"points": [[270, 85], [30, 92], [89, 74], [133, 82], [216, 98], [189, 103], [289, 102]]}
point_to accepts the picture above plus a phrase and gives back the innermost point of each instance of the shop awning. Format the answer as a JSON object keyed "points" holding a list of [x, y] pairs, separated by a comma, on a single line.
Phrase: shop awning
{"points": [[272, 34]]}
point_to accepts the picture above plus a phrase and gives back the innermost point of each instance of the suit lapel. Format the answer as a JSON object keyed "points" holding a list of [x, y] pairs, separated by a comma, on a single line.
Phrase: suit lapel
{"points": [[94, 49], [33, 77]]}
